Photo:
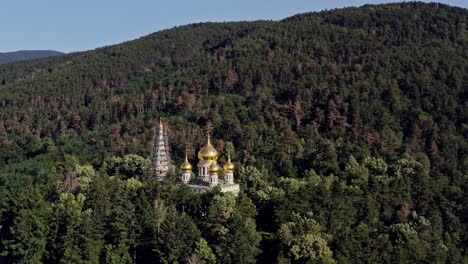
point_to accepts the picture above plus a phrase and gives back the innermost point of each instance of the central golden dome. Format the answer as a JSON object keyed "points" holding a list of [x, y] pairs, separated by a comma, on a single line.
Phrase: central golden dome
{"points": [[208, 153]]}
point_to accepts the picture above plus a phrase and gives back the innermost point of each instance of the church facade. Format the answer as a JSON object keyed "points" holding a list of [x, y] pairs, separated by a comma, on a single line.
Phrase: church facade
{"points": [[209, 172]]}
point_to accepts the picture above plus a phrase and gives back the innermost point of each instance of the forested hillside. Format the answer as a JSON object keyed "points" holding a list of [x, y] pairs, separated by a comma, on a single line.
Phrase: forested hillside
{"points": [[349, 130]]}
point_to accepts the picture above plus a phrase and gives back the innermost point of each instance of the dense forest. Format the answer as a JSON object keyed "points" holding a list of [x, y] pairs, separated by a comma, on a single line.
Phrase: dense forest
{"points": [[348, 129]]}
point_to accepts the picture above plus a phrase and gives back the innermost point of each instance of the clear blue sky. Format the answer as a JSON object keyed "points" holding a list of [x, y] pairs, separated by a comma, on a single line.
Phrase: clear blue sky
{"points": [[76, 25]]}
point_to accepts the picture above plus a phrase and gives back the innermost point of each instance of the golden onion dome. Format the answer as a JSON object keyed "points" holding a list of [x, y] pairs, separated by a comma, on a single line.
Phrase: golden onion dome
{"points": [[186, 166], [214, 168], [228, 166], [208, 153]]}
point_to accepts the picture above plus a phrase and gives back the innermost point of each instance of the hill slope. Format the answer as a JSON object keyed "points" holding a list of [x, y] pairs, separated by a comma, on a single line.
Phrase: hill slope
{"points": [[357, 115], [21, 55], [366, 74]]}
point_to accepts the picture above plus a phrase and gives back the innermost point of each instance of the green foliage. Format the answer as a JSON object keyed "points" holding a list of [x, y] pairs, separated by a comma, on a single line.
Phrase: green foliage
{"points": [[375, 166], [129, 166], [304, 241], [357, 173], [74, 237], [25, 229], [176, 238], [245, 240], [204, 253]]}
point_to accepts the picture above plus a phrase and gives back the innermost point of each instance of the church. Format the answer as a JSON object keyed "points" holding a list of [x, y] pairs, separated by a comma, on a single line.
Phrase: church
{"points": [[209, 171]]}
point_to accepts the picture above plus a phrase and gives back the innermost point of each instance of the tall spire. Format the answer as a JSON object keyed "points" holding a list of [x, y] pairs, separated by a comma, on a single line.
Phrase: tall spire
{"points": [[160, 158]]}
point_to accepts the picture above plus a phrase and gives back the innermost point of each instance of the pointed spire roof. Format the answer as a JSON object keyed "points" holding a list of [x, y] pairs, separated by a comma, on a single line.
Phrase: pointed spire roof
{"points": [[214, 168], [186, 166], [228, 166]]}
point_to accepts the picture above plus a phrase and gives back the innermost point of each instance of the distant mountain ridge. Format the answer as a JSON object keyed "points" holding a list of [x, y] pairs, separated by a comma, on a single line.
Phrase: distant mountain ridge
{"points": [[22, 55]]}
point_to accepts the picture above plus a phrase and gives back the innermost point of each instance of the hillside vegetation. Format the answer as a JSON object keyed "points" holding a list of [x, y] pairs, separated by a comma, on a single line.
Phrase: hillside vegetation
{"points": [[348, 129]]}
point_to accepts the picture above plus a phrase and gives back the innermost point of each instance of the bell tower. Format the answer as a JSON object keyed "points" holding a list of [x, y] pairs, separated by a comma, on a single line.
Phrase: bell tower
{"points": [[160, 158]]}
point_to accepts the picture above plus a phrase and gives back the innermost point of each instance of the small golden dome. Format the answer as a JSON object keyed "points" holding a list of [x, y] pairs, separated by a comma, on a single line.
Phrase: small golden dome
{"points": [[208, 153], [186, 166], [214, 168], [228, 166]]}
